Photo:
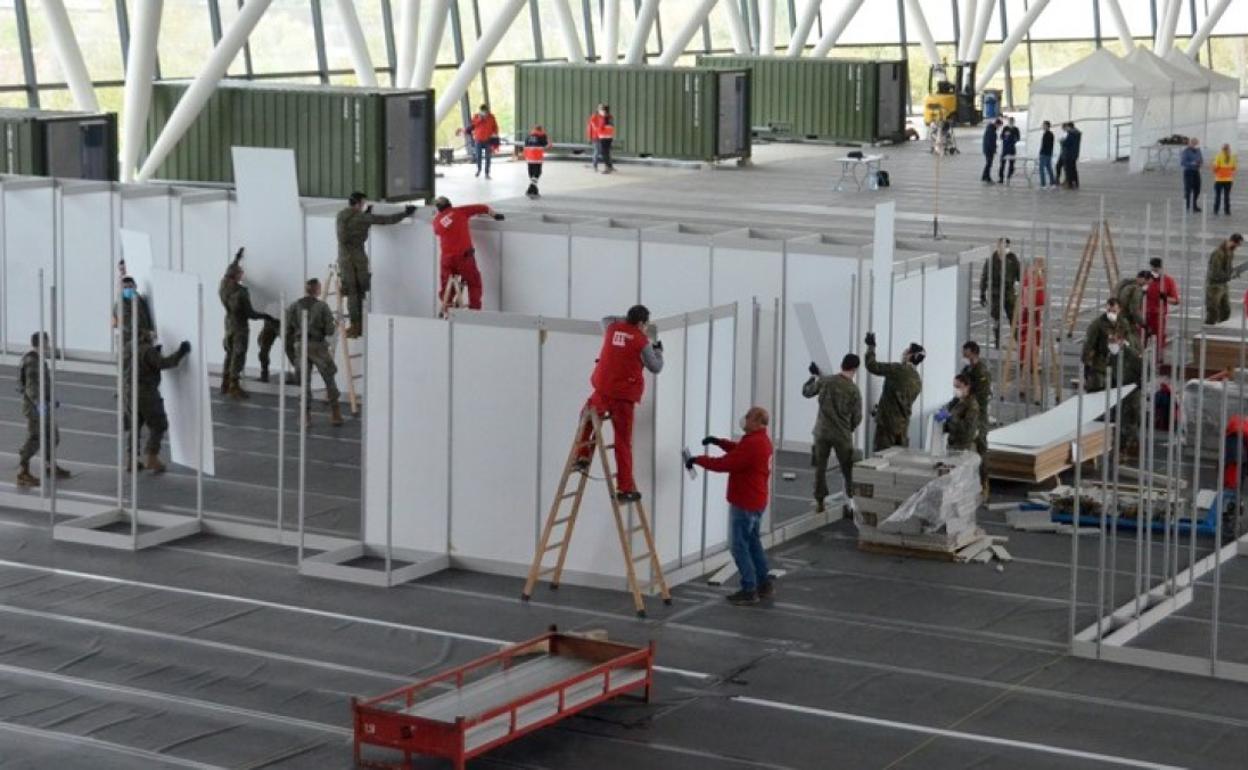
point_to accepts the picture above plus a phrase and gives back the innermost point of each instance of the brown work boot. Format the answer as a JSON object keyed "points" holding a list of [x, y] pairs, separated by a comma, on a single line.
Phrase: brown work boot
{"points": [[24, 479], [153, 463], [335, 414], [237, 393], [225, 385]]}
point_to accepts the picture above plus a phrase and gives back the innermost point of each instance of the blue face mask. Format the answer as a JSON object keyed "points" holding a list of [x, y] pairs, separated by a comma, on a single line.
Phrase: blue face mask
{"points": [[127, 293]]}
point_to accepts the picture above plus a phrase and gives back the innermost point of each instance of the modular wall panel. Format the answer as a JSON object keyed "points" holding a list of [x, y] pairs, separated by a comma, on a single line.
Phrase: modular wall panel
{"points": [[206, 254], [89, 271], [535, 277], [667, 502], [696, 492], [742, 276], [675, 277], [722, 422], [151, 214], [175, 303], [28, 248], [604, 276]]}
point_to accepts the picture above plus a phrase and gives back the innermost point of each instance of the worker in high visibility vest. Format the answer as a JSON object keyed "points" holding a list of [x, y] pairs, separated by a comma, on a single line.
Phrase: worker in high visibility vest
{"points": [[535, 145], [450, 224], [601, 130], [1224, 166]]}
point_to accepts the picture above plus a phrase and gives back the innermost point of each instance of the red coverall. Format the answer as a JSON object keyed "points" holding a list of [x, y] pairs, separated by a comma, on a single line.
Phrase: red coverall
{"points": [[484, 128], [1236, 434], [1156, 307], [618, 381], [458, 255], [1029, 323]]}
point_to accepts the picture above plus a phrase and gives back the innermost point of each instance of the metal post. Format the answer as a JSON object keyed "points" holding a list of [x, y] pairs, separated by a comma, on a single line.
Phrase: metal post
{"points": [[1115, 508], [134, 421], [42, 405], [1110, 453], [303, 421], [1217, 548], [389, 445], [201, 403], [119, 309], [51, 466], [1196, 457], [1074, 534], [281, 421]]}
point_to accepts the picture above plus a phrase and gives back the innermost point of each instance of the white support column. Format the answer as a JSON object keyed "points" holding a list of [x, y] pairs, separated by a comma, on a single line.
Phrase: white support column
{"points": [[976, 46], [430, 42], [766, 27], [680, 41], [834, 32], [477, 57], [968, 28], [406, 32], [610, 33], [1165, 32], [1011, 42], [1120, 24], [801, 33], [69, 55], [361, 62], [641, 32], [567, 30], [1206, 27], [740, 33], [140, 69], [919, 22], [205, 82]]}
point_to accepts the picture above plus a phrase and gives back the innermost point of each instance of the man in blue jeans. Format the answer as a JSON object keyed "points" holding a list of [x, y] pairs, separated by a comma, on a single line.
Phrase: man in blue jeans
{"points": [[748, 465], [1191, 160], [1045, 157]]}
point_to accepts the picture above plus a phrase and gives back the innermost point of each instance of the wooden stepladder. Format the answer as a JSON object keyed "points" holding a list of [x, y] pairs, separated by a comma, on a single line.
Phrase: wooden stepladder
{"points": [[1099, 240], [630, 519], [352, 359]]}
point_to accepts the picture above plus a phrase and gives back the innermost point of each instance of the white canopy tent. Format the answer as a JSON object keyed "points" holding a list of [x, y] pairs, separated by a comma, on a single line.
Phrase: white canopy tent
{"points": [[1222, 101], [1185, 111]]}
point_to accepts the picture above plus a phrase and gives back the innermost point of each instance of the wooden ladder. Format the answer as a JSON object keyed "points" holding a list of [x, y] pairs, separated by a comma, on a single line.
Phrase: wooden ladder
{"points": [[333, 289], [1095, 243], [636, 512]]}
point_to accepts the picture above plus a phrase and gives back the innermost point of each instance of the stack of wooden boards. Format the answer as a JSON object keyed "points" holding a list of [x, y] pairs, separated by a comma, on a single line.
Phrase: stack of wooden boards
{"points": [[1043, 445]]}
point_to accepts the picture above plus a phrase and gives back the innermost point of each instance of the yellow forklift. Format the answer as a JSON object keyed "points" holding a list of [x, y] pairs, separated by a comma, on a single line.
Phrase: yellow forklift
{"points": [[954, 99]]}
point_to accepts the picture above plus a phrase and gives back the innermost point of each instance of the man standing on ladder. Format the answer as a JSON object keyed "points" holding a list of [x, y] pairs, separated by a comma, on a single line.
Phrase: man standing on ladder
{"points": [[352, 226], [321, 327], [619, 381], [455, 244]]}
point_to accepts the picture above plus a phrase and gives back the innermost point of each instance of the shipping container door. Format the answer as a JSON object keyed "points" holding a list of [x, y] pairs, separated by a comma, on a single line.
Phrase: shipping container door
{"points": [[892, 87], [734, 114], [409, 146], [78, 149]]}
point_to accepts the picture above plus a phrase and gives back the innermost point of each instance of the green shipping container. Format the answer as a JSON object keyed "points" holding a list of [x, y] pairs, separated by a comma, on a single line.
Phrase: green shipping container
{"points": [[681, 113], [67, 145], [374, 140], [844, 100]]}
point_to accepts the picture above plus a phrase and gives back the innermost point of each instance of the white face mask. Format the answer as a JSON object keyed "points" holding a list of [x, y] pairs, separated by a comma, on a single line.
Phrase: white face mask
{"points": [[962, 392], [968, 360], [1111, 316], [1114, 348]]}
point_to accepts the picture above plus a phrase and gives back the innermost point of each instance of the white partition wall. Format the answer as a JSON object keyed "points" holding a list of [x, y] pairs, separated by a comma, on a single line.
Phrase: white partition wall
{"points": [[606, 267], [404, 261], [29, 217], [88, 255], [676, 267], [206, 253], [270, 224], [537, 267], [487, 239], [149, 209], [175, 299]]}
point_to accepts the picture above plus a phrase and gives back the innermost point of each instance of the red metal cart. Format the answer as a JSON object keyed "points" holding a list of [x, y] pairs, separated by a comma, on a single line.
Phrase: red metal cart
{"points": [[466, 711]]}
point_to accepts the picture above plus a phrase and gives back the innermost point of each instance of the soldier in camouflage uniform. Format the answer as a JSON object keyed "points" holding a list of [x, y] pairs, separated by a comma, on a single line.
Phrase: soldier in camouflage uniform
{"points": [[353, 225], [980, 378], [1130, 295], [990, 282], [321, 326], [239, 314], [265, 340], [1220, 273], [1120, 347], [130, 296], [840, 412], [1096, 344], [960, 416], [151, 405], [902, 386], [32, 407]]}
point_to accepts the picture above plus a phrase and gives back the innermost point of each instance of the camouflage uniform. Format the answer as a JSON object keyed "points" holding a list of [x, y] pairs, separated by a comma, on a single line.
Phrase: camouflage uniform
{"points": [[28, 382], [145, 317], [238, 316], [321, 327], [840, 412], [1217, 292], [902, 386], [1132, 371], [1131, 299], [990, 281], [353, 227], [963, 424], [265, 341], [151, 405], [1096, 349], [981, 390]]}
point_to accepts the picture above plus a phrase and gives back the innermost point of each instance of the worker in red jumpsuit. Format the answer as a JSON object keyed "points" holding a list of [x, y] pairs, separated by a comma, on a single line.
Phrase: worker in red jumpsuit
{"points": [[450, 224], [1162, 292], [619, 381], [1033, 298], [484, 130], [1236, 447]]}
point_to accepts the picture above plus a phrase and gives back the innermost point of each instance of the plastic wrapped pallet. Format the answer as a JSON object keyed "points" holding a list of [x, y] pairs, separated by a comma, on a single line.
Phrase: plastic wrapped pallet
{"points": [[946, 503], [1210, 412]]}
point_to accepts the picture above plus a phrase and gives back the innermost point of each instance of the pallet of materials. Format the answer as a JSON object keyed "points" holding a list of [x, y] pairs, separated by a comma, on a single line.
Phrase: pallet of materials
{"points": [[1042, 446], [1222, 347]]}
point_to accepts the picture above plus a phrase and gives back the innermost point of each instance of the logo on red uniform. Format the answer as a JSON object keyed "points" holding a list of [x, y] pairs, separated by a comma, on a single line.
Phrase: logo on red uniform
{"points": [[621, 339]]}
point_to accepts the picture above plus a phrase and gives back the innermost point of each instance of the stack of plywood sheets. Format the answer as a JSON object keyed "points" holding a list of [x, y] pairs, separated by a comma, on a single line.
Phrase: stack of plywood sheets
{"points": [[884, 483], [1044, 445]]}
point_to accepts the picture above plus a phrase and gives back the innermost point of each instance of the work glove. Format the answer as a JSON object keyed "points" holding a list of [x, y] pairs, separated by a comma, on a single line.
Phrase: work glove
{"points": [[184, 348], [409, 210], [710, 440], [369, 210], [813, 369], [942, 416], [658, 345], [498, 217], [870, 340], [689, 463], [238, 256]]}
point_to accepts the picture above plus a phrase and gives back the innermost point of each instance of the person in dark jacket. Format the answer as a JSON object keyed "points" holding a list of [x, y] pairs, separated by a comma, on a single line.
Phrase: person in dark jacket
{"points": [[1009, 150], [535, 145], [1071, 143], [1191, 160], [990, 149], [1044, 159]]}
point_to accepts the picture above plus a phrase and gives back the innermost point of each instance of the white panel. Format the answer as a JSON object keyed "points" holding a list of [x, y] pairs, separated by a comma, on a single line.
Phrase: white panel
{"points": [[136, 250], [488, 242], [270, 225], [419, 495], [28, 249], [828, 283], [604, 276], [740, 276], [940, 338], [151, 214], [675, 277], [567, 360], [907, 326], [697, 351], [323, 244], [175, 303], [494, 451], [206, 253], [668, 439], [535, 273], [405, 271], [89, 274], [723, 420], [883, 247]]}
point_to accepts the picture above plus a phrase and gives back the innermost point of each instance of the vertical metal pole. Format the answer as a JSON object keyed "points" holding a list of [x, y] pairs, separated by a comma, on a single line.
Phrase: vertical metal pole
{"points": [[1196, 458], [134, 421], [1114, 495], [1106, 501], [201, 403], [42, 405], [389, 446], [1145, 507], [1217, 549], [1074, 534], [303, 422], [50, 466], [281, 421], [706, 423], [119, 337]]}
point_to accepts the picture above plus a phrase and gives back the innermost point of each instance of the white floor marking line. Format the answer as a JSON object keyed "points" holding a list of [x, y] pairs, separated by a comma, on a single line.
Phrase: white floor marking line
{"points": [[111, 748], [954, 734]]}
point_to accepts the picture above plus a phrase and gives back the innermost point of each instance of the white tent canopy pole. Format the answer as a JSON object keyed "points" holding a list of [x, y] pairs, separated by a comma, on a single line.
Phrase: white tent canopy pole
{"points": [[405, 46], [834, 32], [1206, 28], [1011, 42], [766, 27], [361, 62], [610, 32], [641, 32], [140, 69], [981, 31], [680, 41], [740, 34], [200, 90], [69, 55], [567, 30], [477, 57], [919, 22], [430, 42], [1169, 23], [1120, 24], [968, 28], [802, 32]]}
